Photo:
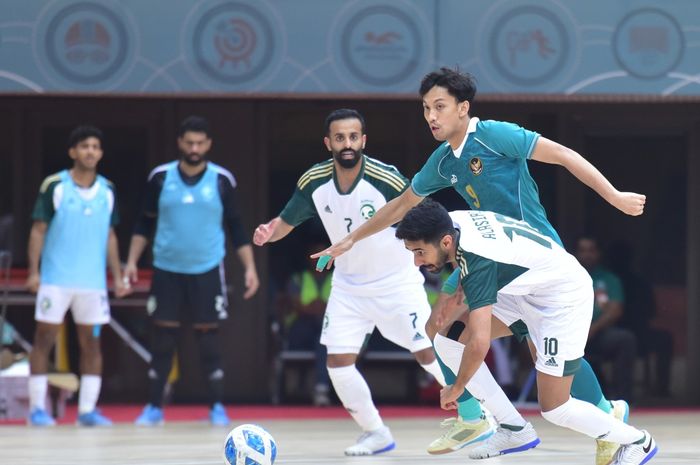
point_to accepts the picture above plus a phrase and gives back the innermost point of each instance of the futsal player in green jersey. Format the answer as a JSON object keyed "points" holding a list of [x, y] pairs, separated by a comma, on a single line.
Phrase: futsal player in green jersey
{"points": [[486, 163]]}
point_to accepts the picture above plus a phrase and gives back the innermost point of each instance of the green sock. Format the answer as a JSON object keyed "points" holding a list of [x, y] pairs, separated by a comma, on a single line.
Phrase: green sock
{"points": [[587, 388], [468, 408]]}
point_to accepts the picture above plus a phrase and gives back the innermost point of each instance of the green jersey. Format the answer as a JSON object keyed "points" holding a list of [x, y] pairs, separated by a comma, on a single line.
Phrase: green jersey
{"points": [[607, 288], [489, 170]]}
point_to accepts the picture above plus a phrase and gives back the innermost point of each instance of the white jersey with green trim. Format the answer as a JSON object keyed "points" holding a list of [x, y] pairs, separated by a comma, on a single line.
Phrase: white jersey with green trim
{"points": [[527, 262], [374, 265]]}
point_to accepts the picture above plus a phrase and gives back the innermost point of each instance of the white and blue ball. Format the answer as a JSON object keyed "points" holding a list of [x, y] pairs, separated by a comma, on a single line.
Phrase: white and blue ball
{"points": [[249, 445]]}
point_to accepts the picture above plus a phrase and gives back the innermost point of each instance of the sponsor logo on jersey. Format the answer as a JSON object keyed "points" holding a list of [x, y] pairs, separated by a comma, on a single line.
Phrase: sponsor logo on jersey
{"points": [[328, 209], [551, 362], [476, 166], [367, 211], [453, 179], [418, 337]]}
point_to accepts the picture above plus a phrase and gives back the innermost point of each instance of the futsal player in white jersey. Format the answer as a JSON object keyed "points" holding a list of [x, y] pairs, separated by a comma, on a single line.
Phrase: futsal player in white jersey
{"points": [[375, 284], [71, 242], [511, 272]]}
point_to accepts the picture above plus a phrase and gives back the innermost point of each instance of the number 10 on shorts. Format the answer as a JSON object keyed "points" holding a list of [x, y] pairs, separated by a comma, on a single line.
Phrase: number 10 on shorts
{"points": [[551, 346]]}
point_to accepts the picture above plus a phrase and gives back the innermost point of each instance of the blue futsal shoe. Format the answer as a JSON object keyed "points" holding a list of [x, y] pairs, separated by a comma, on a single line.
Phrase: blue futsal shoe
{"points": [[40, 417], [151, 416], [217, 415], [94, 418]]}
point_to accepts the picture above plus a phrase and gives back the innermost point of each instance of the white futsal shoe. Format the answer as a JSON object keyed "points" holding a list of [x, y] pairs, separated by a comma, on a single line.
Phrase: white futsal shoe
{"points": [[372, 442], [505, 441], [636, 454]]}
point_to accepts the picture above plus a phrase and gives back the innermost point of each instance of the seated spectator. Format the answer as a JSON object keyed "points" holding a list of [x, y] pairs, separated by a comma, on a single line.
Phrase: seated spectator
{"points": [[307, 293], [606, 342], [641, 309]]}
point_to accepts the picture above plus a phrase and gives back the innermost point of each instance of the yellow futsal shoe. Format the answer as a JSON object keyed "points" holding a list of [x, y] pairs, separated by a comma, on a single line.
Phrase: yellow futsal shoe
{"points": [[460, 434], [604, 449]]}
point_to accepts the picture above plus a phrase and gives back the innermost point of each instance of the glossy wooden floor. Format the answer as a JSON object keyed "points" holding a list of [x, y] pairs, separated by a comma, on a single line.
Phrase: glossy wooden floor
{"points": [[316, 442]]}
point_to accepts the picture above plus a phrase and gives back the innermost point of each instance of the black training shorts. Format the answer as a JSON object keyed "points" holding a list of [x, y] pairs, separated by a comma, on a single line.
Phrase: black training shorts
{"points": [[188, 298]]}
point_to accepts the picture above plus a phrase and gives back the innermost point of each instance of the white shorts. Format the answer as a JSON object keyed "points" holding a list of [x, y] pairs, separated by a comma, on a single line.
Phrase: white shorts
{"points": [[558, 324], [89, 306], [400, 317]]}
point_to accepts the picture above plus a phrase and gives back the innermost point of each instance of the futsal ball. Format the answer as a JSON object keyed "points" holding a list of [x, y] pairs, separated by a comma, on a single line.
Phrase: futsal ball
{"points": [[249, 445]]}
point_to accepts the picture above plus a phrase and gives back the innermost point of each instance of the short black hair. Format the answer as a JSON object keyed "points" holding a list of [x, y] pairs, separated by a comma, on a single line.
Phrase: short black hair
{"points": [[458, 84], [343, 113], [194, 123], [428, 221], [82, 132]]}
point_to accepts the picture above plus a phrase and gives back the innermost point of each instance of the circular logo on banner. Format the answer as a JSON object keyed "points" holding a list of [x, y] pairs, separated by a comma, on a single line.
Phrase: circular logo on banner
{"points": [[530, 46], [85, 43], [232, 43], [648, 43], [380, 45]]}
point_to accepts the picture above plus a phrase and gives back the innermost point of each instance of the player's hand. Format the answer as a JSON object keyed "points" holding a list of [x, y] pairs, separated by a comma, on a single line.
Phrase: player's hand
{"points": [[122, 287], [448, 309], [629, 202], [251, 283], [336, 250], [131, 273], [448, 397], [264, 232], [33, 282]]}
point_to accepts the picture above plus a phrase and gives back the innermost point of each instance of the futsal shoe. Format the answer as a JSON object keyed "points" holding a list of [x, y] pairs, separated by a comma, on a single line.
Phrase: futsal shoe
{"points": [[506, 441], [217, 415], [151, 416], [636, 454], [94, 418], [39, 417], [460, 434], [372, 442], [605, 449]]}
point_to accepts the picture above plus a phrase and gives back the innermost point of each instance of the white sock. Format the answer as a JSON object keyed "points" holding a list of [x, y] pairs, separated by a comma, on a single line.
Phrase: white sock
{"points": [[353, 392], [38, 386], [588, 419], [90, 386], [482, 385], [434, 369]]}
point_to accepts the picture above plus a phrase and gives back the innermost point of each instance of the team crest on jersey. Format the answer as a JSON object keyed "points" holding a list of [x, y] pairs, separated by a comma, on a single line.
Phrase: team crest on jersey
{"points": [[453, 179], [367, 211], [45, 304], [476, 166], [207, 192]]}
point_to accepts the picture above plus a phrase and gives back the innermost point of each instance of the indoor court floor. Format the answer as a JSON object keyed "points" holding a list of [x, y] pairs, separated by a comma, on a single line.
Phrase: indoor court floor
{"points": [[317, 441]]}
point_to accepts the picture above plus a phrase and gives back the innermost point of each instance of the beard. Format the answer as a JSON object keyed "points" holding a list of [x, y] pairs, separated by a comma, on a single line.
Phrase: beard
{"points": [[440, 263], [193, 159], [347, 163]]}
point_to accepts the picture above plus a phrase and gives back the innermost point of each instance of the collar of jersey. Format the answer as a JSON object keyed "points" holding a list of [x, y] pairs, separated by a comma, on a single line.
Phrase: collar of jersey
{"points": [[470, 129], [360, 174]]}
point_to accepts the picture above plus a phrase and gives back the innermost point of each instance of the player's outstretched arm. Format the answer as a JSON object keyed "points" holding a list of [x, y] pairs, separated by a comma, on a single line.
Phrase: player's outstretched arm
{"points": [[548, 151], [389, 214], [272, 231]]}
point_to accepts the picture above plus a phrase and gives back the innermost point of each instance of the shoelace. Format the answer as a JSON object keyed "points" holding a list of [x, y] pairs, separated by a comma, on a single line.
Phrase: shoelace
{"points": [[448, 422]]}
